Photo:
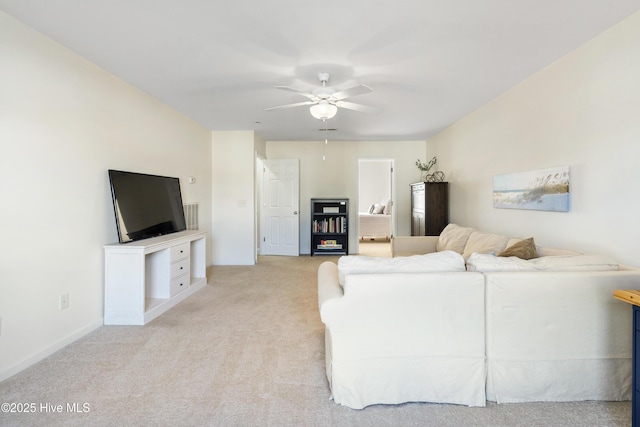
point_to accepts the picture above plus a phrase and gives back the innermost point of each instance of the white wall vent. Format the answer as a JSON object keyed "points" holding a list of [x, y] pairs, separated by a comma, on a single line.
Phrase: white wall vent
{"points": [[191, 216]]}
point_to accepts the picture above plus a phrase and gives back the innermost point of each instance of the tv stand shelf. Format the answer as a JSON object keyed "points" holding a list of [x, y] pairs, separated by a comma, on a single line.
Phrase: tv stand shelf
{"points": [[145, 278]]}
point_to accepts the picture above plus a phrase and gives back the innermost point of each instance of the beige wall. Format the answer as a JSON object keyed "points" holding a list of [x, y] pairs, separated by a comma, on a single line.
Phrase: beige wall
{"points": [[337, 176], [582, 111], [63, 123], [234, 196]]}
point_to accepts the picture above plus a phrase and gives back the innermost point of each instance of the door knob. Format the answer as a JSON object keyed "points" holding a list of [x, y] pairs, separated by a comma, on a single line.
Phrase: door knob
{"points": [[295, 212]]}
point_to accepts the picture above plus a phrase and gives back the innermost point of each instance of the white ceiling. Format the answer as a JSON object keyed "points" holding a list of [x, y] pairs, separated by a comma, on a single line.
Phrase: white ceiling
{"points": [[429, 62]]}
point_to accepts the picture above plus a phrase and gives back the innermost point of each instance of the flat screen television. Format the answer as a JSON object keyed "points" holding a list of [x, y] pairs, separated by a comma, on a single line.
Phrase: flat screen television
{"points": [[146, 205]]}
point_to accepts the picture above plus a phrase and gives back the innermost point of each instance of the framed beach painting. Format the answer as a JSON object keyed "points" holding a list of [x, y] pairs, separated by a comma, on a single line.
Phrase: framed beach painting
{"points": [[542, 190]]}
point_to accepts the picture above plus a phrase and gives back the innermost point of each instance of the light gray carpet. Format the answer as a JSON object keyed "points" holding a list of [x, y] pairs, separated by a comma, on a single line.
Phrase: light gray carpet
{"points": [[248, 350]]}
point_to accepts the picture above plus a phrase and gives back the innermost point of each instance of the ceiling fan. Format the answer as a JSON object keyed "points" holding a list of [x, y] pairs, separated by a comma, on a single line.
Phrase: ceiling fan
{"points": [[325, 101]]}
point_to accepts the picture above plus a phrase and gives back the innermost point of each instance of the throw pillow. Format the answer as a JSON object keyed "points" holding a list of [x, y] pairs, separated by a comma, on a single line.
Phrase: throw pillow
{"points": [[453, 238], [524, 249], [372, 208], [378, 209], [485, 243], [387, 206]]}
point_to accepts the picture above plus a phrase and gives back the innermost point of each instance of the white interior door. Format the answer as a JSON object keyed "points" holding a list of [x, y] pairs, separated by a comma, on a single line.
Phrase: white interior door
{"points": [[281, 208]]}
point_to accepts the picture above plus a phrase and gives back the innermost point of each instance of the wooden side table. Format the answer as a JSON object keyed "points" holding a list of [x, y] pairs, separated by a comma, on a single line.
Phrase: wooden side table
{"points": [[633, 297]]}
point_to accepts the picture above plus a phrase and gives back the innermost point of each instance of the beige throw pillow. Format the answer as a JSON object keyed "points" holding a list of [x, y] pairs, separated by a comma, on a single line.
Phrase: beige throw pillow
{"points": [[485, 243], [453, 238], [524, 249]]}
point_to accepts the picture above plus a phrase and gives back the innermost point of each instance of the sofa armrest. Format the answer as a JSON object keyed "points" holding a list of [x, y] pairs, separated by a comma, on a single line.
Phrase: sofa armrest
{"points": [[328, 284], [413, 245]]}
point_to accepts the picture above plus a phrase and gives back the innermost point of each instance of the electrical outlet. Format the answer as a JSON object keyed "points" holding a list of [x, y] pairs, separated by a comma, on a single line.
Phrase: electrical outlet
{"points": [[64, 301]]}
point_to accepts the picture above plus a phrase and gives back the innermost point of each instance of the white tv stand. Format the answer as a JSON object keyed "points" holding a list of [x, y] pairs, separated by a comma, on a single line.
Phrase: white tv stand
{"points": [[143, 279]]}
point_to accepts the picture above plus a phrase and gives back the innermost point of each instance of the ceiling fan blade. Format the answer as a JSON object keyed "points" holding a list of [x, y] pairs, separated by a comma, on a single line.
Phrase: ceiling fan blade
{"points": [[297, 104], [356, 107], [299, 92], [354, 91]]}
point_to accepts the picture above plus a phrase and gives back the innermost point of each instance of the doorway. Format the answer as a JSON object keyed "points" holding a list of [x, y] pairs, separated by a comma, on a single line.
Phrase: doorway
{"points": [[376, 210]]}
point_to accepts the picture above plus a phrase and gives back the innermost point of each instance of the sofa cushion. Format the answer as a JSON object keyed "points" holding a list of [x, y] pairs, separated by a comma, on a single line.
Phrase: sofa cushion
{"points": [[488, 263], [485, 243], [446, 261], [454, 238], [575, 263], [543, 251], [524, 249]]}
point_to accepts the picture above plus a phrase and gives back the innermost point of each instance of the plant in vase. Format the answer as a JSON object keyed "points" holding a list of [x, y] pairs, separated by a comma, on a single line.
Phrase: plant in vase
{"points": [[437, 176]]}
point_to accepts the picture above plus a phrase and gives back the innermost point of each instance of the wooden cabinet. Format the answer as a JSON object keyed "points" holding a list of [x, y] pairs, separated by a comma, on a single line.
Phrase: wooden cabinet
{"points": [[329, 226], [143, 279], [429, 208]]}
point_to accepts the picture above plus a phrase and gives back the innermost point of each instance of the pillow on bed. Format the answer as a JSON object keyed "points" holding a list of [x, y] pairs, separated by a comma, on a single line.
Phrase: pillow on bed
{"points": [[378, 209], [372, 208], [387, 206], [445, 261]]}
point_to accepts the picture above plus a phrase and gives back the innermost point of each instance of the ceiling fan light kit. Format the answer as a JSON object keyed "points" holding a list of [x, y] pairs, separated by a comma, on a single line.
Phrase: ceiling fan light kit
{"points": [[323, 110], [324, 100]]}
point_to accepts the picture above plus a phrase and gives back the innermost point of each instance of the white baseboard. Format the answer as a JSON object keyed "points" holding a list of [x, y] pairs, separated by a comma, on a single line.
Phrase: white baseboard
{"points": [[49, 350]]}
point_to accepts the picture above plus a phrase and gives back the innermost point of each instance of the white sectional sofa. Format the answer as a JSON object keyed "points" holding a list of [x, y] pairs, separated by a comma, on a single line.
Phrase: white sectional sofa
{"points": [[458, 324]]}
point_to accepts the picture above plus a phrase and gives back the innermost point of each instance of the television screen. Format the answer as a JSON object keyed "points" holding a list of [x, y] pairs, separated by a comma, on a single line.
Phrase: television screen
{"points": [[146, 205]]}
